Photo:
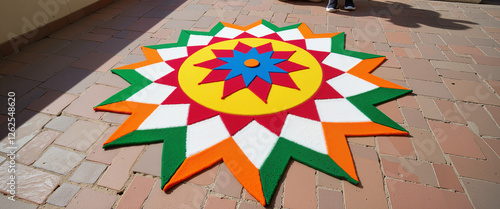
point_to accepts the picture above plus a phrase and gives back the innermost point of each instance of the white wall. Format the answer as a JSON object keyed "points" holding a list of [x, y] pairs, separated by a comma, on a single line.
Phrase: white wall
{"points": [[21, 16]]}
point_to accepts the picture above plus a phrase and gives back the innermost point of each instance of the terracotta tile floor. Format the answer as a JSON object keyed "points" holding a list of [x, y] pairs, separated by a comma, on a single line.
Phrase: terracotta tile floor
{"points": [[448, 53]]}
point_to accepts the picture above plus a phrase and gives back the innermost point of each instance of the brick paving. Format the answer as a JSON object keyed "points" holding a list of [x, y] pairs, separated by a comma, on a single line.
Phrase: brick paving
{"points": [[447, 52]]}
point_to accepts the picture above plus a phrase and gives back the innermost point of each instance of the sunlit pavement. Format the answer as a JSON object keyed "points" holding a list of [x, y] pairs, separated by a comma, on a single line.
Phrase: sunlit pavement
{"points": [[448, 53]]}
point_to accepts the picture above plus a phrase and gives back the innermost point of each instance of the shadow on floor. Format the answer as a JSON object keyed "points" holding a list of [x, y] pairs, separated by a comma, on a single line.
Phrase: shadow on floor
{"points": [[398, 13], [69, 60]]}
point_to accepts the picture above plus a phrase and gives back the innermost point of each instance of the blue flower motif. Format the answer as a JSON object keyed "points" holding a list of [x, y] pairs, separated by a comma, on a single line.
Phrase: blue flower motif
{"points": [[236, 64]]}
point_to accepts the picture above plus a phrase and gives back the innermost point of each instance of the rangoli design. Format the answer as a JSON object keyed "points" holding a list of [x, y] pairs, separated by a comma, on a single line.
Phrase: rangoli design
{"points": [[253, 97]]}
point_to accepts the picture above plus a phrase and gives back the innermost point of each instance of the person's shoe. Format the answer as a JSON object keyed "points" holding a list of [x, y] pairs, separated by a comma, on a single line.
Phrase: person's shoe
{"points": [[332, 6], [349, 5]]}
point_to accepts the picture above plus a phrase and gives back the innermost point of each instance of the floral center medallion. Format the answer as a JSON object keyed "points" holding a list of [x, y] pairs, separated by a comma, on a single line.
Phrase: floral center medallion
{"points": [[250, 76]]}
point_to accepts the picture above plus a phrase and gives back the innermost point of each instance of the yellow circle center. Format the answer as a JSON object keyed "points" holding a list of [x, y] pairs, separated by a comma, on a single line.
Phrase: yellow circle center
{"points": [[252, 63], [244, 101]]}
